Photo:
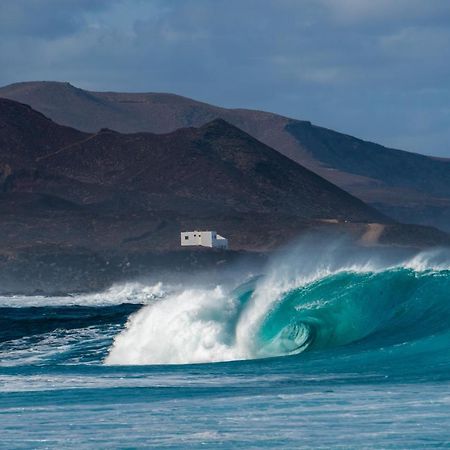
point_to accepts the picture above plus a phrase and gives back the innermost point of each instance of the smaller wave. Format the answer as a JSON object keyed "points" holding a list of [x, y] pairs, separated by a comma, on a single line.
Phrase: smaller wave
{"points": [[60, 346], [16, 323], [136, 293], [59, 334]]}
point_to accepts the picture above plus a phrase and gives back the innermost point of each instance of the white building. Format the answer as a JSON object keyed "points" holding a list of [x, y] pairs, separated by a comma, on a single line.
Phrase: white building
{"points": [[203, 238]]}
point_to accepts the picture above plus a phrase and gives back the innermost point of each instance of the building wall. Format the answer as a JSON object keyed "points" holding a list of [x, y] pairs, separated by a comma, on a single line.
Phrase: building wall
{"points": [[189, 238], [220, 242], [203, 238], [207, 238]]}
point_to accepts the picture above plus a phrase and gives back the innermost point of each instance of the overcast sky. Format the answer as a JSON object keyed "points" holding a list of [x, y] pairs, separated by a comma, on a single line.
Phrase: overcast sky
{"points": [[377, 69]]}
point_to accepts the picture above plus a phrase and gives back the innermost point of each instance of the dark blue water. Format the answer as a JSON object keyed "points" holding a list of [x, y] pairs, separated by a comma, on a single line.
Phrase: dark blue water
{"points": [[343, 351]]}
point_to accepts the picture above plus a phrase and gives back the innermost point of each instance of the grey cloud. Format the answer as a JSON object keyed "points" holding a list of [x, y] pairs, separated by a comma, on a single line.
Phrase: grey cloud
{"points": [[387, 13], [45, 18], [374, 69]]}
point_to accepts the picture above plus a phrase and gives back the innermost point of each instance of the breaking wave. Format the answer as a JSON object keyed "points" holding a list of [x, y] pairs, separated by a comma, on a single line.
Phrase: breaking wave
{"points": [[317, 297]]}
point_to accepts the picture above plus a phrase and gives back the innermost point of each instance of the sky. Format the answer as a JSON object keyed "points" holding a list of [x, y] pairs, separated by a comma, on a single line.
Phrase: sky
{"points": [[376, 69]]}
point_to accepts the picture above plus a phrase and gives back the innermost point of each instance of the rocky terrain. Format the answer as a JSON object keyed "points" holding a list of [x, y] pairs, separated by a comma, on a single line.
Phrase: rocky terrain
{"points": [[79, 210], [409, 187]]}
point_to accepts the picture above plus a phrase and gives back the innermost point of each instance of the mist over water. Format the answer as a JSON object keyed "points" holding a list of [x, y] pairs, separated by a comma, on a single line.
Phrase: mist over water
{"points": [[329, 331]]}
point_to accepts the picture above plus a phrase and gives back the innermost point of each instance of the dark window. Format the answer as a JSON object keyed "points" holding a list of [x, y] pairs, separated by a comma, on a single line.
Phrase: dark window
{"points": [[186, 238]]}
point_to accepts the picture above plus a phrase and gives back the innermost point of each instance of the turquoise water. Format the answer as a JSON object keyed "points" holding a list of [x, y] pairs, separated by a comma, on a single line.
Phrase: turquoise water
{"points": [[346, 349]]}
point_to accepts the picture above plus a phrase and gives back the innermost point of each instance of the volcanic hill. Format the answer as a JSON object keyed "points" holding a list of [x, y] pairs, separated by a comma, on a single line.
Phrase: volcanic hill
{"points": [[73, 202], [409, 187]]}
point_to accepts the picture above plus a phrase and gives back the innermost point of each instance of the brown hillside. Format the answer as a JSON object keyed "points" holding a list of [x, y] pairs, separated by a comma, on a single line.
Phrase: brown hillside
{"points": [[407, 186]]}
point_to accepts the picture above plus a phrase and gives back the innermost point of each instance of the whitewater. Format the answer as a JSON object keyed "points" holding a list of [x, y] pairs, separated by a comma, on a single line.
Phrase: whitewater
{"points": [[330, 345]]}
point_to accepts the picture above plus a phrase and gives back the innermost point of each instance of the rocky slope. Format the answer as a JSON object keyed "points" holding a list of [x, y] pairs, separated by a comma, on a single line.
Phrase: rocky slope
{"points": [[82, 209], [406, 186], [216, 168]]}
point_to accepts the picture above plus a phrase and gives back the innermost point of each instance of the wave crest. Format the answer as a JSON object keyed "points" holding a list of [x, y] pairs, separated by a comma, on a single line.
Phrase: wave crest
{"points": [[340, 298]]}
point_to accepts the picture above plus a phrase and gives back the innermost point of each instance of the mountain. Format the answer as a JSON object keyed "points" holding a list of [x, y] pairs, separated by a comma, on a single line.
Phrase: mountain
{"points": [[26, 134], [80, 210], [216, 167], [407, 186]]}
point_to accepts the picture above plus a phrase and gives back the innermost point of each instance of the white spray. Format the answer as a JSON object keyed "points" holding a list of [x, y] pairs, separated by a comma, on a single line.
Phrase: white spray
{"points": [[208, 325]]}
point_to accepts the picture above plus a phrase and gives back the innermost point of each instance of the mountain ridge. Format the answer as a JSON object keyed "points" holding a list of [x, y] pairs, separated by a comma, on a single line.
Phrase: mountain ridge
{"points": [[420, 194], [216, 167], [80, 211]]}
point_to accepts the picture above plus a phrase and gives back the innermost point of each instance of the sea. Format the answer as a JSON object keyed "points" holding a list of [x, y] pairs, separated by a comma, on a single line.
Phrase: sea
{"points": [[330, 345]]}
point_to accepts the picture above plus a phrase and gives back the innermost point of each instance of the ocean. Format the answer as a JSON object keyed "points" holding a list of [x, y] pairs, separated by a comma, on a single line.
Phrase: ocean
{"points": [[330, 346]]}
